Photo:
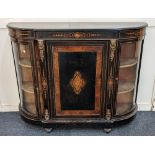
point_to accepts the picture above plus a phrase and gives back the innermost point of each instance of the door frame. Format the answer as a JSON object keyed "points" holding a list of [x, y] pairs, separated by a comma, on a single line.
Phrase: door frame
{"points": [[101, 48]]}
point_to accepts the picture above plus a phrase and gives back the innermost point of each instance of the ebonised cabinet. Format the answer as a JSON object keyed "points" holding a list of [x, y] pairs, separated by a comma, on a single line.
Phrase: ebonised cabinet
{"points": [[77, 72]]}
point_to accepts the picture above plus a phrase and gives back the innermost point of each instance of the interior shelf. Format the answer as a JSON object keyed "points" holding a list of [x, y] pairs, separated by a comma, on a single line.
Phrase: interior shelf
{"points": [[124, 87], [28, 87], [25, 63], [128, 62]]}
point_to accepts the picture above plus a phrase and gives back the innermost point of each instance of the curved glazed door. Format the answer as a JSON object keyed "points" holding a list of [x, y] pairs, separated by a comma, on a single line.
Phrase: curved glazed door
{"points": [[22, 53], [128, 75]]}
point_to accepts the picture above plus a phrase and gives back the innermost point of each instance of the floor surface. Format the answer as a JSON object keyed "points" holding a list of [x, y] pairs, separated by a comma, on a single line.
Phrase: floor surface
{"points": [[12, 125]]}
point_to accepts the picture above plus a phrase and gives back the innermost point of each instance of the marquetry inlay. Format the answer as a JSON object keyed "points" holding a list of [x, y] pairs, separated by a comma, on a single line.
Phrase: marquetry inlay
{"points": [[77, 82]]}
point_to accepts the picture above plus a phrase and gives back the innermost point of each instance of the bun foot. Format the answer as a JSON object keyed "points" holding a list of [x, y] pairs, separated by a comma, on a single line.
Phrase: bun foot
{"points": [[107, 130], [48, 130]]}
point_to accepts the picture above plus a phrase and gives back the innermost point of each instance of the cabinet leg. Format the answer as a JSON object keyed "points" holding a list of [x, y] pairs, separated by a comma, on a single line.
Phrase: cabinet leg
{"points": [[107, 130], [48, 130]]}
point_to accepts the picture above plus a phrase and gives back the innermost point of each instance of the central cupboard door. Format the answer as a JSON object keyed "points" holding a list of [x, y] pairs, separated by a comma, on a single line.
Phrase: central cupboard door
{"points": [[78, 77]]}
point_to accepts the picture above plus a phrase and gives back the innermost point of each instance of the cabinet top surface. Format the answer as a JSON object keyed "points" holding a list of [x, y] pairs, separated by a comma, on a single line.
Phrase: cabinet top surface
{"points": [[75, 25]]}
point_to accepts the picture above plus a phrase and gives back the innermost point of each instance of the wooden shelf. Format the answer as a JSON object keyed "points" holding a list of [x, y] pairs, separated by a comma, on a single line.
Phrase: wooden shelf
{"points": [[125, 63], [28, 87], [125, 87], [25, 63]]}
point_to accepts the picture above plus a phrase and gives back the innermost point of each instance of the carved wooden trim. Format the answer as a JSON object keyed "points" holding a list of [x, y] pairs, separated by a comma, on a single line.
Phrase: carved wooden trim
{"points": [[41, 48], [108, 114], [76, 35], [132, 33], [111, 80], [21, 35], [46, 115], [112, 48]]}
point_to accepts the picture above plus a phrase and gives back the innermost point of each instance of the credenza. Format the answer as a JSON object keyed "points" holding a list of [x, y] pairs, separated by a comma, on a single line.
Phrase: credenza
{"points": [[77, 72]]}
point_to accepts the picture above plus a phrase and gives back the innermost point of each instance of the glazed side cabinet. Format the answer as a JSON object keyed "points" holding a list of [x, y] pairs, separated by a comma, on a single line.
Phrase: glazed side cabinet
{"points": [[77, 72]]}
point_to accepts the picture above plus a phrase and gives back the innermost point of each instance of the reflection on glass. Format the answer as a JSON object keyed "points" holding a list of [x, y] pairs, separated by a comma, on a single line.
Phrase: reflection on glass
{"points": [[127, 76], [25, 80]]}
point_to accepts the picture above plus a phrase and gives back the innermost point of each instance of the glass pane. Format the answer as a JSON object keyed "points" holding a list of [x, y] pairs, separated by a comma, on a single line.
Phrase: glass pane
{"points": [[16, 58], [24, 51], [127, 76], [25, 78]]}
